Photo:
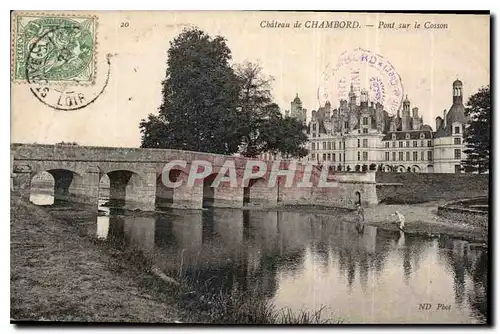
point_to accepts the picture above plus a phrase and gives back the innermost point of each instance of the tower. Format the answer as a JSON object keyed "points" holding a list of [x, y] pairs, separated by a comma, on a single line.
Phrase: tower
{"points": [[352, 97], [405, 121]]}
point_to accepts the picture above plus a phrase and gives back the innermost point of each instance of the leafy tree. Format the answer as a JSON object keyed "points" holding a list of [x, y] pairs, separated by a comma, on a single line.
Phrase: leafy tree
{"points": [[477, 132], [263, 127], [209, 106], [200, 98]]}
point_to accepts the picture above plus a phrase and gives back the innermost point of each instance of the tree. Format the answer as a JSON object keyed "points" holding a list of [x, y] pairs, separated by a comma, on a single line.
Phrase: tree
{"points": [[200, 98], [477, 132], [263, 127], [210, 106]]}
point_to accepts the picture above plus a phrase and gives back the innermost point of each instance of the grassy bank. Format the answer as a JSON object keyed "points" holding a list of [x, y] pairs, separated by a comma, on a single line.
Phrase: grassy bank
{"points": [[59, 273]]}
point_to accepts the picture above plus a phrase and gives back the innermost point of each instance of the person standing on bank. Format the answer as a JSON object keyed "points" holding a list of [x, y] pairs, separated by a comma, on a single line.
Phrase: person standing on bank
{"points": [[360, 226]]}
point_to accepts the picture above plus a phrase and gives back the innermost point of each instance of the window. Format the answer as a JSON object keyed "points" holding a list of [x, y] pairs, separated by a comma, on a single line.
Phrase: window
{"points": [[340, 157], [400, 144], [346, 124], [343, 144], [365, 120], [324, 156], [365, 142], [458, 169], [359, 156], [387, 156], [329, 157], [365, 130], [457, 141], [313, 146], [415, 143], [400, 156], [407, 143], [429, 155], [393, 144], [415, 156], [407, 156], [429, 143], [458, 154], [422, 136], [329, 145], [334, 146], [314, 135], [393, 136], [422, 156], [365, 156], [324, 145], [333, 156], [387, 144], [394, 156], [314, 127], [359, 143], [407, 136], [457, 129], [422, 143], [313, 156], [344, 156]]}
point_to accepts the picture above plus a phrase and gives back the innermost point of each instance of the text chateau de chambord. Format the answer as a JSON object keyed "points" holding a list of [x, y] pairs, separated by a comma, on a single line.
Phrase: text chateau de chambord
{"points": [[356, 137]]}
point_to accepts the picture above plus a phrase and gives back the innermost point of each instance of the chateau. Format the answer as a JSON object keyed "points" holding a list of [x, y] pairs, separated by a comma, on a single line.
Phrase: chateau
{"points": [[355, 137]]}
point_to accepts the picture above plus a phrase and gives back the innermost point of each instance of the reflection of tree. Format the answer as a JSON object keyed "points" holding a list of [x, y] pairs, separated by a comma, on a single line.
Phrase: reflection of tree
{"points": [[454, 255], [478, 296]]}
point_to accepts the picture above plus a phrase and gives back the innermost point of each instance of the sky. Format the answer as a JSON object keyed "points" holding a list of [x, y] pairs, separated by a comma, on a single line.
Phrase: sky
{"points": [[426, 60]]}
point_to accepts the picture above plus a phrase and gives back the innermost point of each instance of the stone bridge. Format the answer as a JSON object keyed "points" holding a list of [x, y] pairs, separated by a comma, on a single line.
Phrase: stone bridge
{"points": [[137, 180]]}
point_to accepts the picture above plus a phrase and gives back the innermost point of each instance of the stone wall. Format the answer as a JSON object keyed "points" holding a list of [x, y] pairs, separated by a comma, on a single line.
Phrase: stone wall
{"points": [[399, 188], [457, 212]]}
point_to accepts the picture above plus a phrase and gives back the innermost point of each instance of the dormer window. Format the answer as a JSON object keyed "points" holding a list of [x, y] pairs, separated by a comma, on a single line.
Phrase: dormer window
{"points": [[457, 129], [407, 136], [393, 136], [422, 135]]}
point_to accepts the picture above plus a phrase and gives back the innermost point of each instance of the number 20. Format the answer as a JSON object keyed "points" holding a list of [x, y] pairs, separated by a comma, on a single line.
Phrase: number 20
{"points": [[124, 25]]}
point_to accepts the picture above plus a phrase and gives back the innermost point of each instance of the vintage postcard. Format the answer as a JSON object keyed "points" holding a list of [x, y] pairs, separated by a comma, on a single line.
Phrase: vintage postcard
{"points": [[250, 167]]}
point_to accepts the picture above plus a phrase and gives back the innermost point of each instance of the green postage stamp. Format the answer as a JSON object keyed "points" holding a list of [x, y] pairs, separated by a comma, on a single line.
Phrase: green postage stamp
{"points": [[54, 48]]}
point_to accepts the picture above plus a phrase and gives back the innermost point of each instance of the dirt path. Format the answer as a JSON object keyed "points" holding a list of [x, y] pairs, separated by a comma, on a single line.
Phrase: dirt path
{"points": [[59, 275]]}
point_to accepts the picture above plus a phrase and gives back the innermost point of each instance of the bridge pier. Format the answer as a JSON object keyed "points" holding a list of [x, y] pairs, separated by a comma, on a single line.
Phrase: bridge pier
{"points": [[85, 189], [141, 193], [21, 180]]}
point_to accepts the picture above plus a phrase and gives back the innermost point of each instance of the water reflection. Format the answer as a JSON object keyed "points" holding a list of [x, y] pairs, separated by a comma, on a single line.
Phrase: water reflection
{"points": [[301, 260], [305, 261]]}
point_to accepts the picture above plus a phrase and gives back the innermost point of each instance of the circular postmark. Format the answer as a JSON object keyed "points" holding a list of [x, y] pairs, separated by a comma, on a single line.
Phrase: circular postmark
{"points": [[55, 60], [362, 69]]}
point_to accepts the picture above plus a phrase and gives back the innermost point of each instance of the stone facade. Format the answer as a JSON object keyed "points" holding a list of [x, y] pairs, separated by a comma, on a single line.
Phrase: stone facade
{"points": [[354, 136]]}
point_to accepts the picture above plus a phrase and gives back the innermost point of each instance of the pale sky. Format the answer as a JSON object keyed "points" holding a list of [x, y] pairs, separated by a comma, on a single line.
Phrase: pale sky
{"points": [[428, 61]]}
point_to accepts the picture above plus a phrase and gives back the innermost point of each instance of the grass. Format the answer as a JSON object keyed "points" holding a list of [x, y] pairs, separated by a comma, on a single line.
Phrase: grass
{"points": [[59, 275]]}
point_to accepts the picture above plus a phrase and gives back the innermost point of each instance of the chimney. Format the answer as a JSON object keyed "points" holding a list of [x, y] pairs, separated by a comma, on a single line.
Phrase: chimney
{"points": [[444, 117], [439, 122], [415, 112]]}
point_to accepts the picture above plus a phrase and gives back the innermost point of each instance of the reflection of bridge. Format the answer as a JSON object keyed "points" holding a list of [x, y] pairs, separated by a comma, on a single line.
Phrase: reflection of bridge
{"points": [[136, 179]]}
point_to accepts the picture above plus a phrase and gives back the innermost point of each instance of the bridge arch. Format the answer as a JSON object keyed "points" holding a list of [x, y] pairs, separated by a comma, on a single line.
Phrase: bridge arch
{"points": [[59, 183], [257, 192], [172, 197], [125, 187]]}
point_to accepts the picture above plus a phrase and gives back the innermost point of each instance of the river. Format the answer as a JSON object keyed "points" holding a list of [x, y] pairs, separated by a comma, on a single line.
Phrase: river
{"points": [[305, 261]]}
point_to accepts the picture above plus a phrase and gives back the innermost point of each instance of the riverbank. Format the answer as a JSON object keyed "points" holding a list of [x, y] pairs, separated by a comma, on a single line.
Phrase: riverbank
{"points": [[57, 274]]}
